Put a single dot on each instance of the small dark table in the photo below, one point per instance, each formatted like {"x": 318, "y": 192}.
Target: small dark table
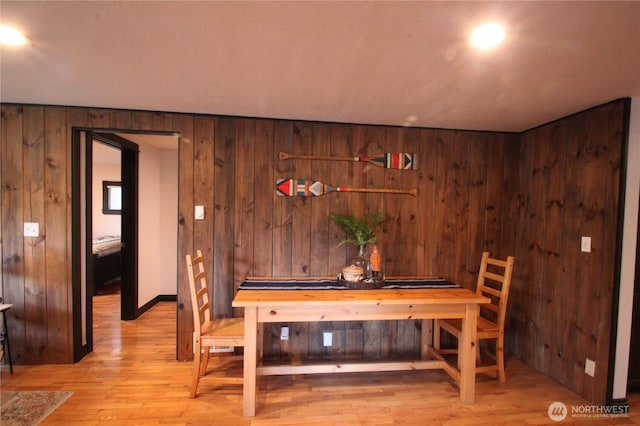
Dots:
{"x": 4, "y": 336}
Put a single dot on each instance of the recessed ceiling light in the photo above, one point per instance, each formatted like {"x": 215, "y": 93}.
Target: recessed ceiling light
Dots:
{"x": 11, "y": 36}
{"x": 487, "y": 36}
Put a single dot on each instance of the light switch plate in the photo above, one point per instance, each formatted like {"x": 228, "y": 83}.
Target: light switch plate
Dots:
{"x": 590, "y": 367}
{"x": 199, "y": 213}
{"x": 585, "y": 245}
{"x": 31, "y": 229}
{"x": 284, "y": 333}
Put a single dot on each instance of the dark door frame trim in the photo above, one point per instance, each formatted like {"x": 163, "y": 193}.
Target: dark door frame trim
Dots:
{"x": 129, "y": 216}
{"x": 80, "y": 349}
{"x": 617, "y": 272}
{"x": 129, "y": 178}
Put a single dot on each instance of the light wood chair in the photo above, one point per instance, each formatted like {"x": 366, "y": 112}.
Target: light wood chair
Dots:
{"x": 209, "y": 332}
{"x": 494, "y": 280}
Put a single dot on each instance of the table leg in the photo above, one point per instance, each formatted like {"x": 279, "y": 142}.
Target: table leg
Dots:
{"x": 467, "y": 354}
{"x": 426, "y": 337}
{"x": 260, "y": 342}
{"x": 249, "y": 361}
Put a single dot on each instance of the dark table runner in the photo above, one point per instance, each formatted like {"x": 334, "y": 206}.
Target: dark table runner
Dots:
{"x": 294, "y": 284}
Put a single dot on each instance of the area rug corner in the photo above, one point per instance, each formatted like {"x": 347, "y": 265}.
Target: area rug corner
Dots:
{"x": 29, "y": 408}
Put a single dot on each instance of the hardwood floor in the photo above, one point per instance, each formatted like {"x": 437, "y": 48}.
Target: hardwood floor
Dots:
{"x": 132, "y": 378}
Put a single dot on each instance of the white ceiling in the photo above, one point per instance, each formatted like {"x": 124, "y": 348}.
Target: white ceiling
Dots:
{"x": 357, "y": 62}
{"x": 106, "y": 154}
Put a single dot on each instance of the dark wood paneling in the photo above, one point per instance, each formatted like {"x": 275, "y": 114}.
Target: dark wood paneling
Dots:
{"x": 319, "y": 263}
{"x": 204, "y": 195}
{"x": 267, "y": 211}
{"x": 427, "y": 202}
{"x": 556, "y": 301}
{"x": 573, "y": 202}
{"x": 35, "y": 284}
{"x": 532, "y": 194}
{"x": 245, "y": 205}
{"x": 58, "y": 235}
{"x": 184, "y": 125}
{"x": 13, "y": 266}
{"x": 481, "y": 195}
{"x": 143, "y": 120}
{"x": 266, "y": 205}
{"x": 281, "y": 223}
{"x": 507, "y": 233}
{"x": 120, "y": 119}
{"x": 562, "y": 298}
{"x": 223, "y": 229}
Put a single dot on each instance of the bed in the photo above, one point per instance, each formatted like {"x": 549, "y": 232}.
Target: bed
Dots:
{"x": 106, "y": 260}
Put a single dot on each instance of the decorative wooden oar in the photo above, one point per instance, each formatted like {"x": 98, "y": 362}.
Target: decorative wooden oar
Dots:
{"x": 311, "y": 188}
{"x": 389, "y": 160}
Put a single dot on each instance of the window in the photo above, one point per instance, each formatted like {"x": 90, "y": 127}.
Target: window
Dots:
{"x": 111, "y": 197}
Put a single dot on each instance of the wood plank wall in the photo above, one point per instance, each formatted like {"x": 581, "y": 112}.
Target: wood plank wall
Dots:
{"x": 470, "y": 199}
{"x": 561, "y": 299}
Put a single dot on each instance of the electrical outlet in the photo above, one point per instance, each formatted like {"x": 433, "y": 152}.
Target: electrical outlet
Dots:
{"x": 31, "y": 229}
{"x": 590, "y": 367}
{"x": 327, "y": 338}
{"x": 284, "y": 333}
{"x": 585, "y": 246}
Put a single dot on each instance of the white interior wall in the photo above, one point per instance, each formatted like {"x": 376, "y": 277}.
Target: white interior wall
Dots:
{"x": 157, "y": 223}
{"x": 149, "y": 206}
{"x": 169, "y": 221}
{"x": 628, "y": 261}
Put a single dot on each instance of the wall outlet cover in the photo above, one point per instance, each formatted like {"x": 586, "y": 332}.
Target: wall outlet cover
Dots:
{"x": 327, "y": 338}
{"x": 284, "y": 333}
{"x": 31, "y": 229}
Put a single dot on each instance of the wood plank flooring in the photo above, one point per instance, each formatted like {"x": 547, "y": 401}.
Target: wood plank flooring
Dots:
{"x": 132, "y": 378}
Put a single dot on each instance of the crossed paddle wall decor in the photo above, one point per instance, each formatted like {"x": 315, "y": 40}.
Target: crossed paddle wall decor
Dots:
{"x": 307, "y": 187}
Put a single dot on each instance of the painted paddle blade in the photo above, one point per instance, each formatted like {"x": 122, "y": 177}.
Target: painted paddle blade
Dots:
{"x": 299, "y": 188}
{"x": 393, "y": 160}
{"x": 312, "y": 188}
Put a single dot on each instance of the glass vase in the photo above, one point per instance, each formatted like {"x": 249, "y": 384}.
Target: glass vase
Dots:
{"x": 362, "y": 260}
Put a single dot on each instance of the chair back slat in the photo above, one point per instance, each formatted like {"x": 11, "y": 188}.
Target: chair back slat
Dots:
{"x": 491, "y": 307}
{"x": 491, "y": 291}
{"x": 493, "y": 276}
{"x": 498, "y": 273}
{"x": 199, "y": 292}
{"x": 202, "y": 291}
{"x": 496, "y": 262}
{"x": 203, "y": 311}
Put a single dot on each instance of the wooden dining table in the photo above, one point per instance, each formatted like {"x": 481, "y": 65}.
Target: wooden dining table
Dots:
{"x": 294, "y": 300}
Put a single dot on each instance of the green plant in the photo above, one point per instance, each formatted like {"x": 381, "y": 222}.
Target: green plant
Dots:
{"x": 360, "y": 230}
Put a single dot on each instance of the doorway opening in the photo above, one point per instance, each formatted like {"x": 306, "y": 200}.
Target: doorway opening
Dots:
{"x": 142, "y": 247}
